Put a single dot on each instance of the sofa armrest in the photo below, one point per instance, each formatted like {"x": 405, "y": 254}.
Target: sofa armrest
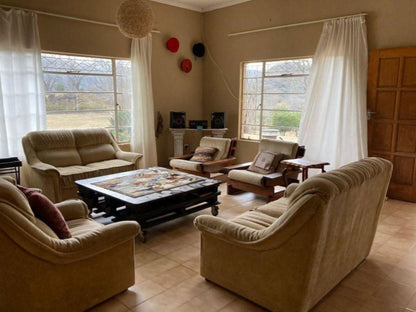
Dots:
{"x": 237, "y": 167}
{"x": 226, "y": 230}
{"x": 129, "y": 156}
{"x": 45, "y": 168}
{"x": 73, "y": 209}
{"x": 290, "y": 189}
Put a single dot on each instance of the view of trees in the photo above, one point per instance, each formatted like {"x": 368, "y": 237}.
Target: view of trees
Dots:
{"x": 80, "y": 93}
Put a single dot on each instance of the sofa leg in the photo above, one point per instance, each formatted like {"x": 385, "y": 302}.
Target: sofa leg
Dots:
{"x": 231, "y": 190}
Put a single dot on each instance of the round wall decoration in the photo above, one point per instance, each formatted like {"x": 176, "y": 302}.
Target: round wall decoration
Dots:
{"x": 186, "y": 65}
{"x": 172, "y": 44}
{"x": 198, "y": 49}
{"x": 135, "y": 18}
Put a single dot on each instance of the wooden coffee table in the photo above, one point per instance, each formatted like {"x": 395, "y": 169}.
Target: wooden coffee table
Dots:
{"x": 149, "y": 196}
{"x": 305, "y": 165}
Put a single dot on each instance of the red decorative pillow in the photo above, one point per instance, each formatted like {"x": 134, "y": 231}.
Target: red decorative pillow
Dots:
{"x": 45, "y": 210}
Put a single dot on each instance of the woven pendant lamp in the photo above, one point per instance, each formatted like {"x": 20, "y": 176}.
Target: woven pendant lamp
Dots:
{"x": 135, "y": 18}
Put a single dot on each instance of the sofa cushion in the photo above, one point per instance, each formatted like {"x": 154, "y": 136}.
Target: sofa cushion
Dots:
{"x": 78, "y": 227}
{"x": 275, "y": 208}
{"x": 11, "y": 195}
{"x": 255, "y": 220}
{"x": 56, "y": 148}
{"x": 204, "y": 153}
{"x": 46, "y": 211}
{"x": 45, "y": 228}
{"x": 94, "y": 145}
{"x": 186, "y": 165}
{"x": 222, "y": 144}
{"x": 246, "y": 176}
{"x": 112, "y": 166}
{"x": 265, "y": 162}
{"x": 72, "y": 173}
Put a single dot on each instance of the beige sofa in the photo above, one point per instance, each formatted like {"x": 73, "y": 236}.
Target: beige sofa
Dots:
{"x": 57, "y": 158}
{"x": 40, "y": 272}
{"x": 288, "y": 254}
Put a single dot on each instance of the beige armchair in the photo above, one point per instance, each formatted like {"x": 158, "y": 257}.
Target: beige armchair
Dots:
{"x": 40, "y": 272}
{"x": 222, "y": 158}
{"x": 57, "y": 158}
{"x": 241, "y": 178}
{"x": 289, "y": 253}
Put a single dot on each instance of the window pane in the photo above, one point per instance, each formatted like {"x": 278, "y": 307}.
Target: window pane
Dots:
{"x": 123, "y": 67}
{"x": 252, "y": 86}
{"x": 253, "y": 70}
{"x": 286, "y": 134}
{"x": 288, "y": 67}
{"x": 123, "y": 84}
{"x": 124, "y": 134}
{"x": 285, "y": 85}
{"x": 80, "y": 119}
{"x": 76, "y": 64}
{"x": 251, "y": 101}
{"x": 250, "y": 132}
{"x": 250, "y": 117}
{"x": 70, "y": 82}
{"x": 283, "y": 101}
{"x": 124, "y": 101}
{"x": 281, "y": 120}
{"x": 79, "y": 101}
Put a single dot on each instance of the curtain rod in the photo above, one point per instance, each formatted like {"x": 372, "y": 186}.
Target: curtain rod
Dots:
{"x": 66, "y": 17}
{"x": 291, "y": 25}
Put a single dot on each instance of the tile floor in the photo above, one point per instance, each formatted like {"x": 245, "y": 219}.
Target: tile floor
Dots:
{"x": 167, "y": 268}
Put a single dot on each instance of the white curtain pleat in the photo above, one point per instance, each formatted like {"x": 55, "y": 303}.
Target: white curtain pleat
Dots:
{"x": 333, "y": 125}
{"x": 143, "y": 138}
{"x": 22, "y": 96}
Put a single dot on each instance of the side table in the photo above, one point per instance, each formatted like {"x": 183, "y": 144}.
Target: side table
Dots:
{"x": 304, "y": 164}
{"x": 11, "y": 165}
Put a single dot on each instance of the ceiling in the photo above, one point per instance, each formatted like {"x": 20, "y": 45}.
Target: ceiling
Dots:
{"x": 201, "y": 5}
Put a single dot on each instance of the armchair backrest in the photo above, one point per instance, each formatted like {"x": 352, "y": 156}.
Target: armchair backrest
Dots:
{"x": 289, "y": 149}
{"x": 222, "y": 144}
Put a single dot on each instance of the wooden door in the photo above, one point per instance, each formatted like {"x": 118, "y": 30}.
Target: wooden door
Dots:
{"x": 392, "y": 106}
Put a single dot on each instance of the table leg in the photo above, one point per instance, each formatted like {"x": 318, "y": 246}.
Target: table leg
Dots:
{"x": 304, "y": 174}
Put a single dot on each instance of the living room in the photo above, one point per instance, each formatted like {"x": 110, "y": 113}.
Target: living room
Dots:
{"x": 79, "y": 38}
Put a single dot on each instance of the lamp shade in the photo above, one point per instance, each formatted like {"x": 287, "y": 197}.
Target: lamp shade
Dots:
{"x": 135, "y": 18}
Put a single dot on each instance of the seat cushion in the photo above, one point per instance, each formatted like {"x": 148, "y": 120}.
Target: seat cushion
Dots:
{"x": 111, "y": 166}
{"x": 246, "y": 177}
{"x": 275, "y": 208}
{"x": 78, "y": 227}
{"x": 186, "y": 165}
{"x": 72, "y": 173}
{"x": 255, "y": 220}
{"x": 222, "y": 144}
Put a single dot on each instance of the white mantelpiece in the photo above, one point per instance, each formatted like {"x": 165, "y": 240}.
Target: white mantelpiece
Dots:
{"x": 179, "y": 133}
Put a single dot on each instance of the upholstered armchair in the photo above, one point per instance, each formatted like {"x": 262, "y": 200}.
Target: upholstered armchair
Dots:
{"x": 288, "y": 254}
{"x": 222, "y": 155}
{"x": 40, "y": 272}
{"x": 262, "y": 176}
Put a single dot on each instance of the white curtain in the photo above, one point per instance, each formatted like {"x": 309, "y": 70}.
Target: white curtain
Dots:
{"x": 334, "y": 126}
{"x": 22, "y": 96}
{"x": 143, "y": 122}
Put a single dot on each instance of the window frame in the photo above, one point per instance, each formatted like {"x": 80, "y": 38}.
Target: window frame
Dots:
{"x": 241, "y": 93}
{"x": 115, "y": 92}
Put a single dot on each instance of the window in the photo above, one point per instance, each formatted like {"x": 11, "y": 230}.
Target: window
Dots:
{"x": 273, "y": 94}
{"x": 83, "y": 92}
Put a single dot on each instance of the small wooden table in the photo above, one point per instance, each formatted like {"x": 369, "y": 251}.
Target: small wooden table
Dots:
{"x": 11, "y": 165}
{"x": 304, "y": 164}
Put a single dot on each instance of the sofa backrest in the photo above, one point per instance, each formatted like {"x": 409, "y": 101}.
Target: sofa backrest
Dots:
{"x": 54, "y": 147}
{"x": 94, "y": 145}
{"x": 343, "y": 207}
{"x": 10, "y": 195}
{"x": 289, "y": 149}
{"x": 222, "y": 144}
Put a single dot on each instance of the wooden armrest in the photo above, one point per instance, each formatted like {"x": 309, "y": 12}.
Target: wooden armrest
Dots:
{"x": 238, "y": 166}
{"x": 185, "y": 157}
{"x": 272, "y": 176}
{"x": 216, "y": 165}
